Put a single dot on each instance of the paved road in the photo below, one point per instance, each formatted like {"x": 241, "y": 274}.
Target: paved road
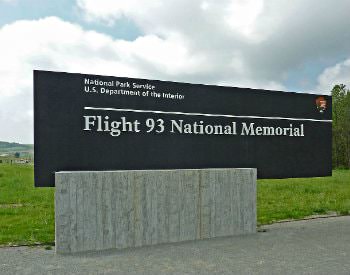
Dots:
{"x": 320, "y": 246}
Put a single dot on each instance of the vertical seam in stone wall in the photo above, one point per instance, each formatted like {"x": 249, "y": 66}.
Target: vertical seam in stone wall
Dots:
{"x": 83, "y": 233}
{"x": 200, "y": 204}
{"x": 76, "y": 216}
{"x": 69, "y": 215}
{"x": 167, "y": 207}
{"x": 55, "y": 198}
{"x": 94, "y": 187}
{"x": 179, "y": 203}
{"x": 133, "y": 186}
{"x": 103, "y": 210}
{"x": 114, "y": 215}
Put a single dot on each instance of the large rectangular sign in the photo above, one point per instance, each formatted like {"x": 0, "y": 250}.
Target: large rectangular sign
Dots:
{"x": 90, "y": 122}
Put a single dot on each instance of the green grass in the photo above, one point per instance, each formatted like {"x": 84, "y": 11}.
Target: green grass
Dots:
{"x": 27, "y": 213}
{"x": 280, "y": 199}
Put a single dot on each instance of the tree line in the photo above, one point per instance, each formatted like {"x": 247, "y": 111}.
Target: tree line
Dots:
{"x": 341, "y": 126}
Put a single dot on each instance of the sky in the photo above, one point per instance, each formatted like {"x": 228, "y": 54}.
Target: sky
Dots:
{"x": 292, "y": 46}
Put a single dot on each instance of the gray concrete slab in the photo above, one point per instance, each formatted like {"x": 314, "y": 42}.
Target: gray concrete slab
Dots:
{"x": 98, "y": 210}
{"x": 320, "y": 246}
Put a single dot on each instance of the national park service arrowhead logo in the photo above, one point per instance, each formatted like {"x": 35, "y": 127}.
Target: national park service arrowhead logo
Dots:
{"x": 321, "y": 104}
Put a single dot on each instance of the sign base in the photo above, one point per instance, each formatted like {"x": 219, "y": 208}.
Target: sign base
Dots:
{"x": 101, "y": 210}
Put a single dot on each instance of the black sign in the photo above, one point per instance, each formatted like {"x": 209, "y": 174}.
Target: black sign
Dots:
{"x": 89, "y": 122}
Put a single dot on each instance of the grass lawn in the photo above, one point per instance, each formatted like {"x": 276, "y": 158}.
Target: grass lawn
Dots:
{"x": 27, "y": 213}
{"x": 280, "y": 199}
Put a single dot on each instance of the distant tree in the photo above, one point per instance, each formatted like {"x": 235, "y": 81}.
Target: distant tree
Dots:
{"x": 17, "y": 155}
{"x": 341, "y": 126}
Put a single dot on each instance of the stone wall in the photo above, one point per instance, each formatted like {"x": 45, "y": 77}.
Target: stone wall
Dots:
{"x": 119, "y": 209}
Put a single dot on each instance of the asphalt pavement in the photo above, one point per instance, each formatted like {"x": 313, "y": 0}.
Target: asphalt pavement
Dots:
{"x": 318, "y": 246}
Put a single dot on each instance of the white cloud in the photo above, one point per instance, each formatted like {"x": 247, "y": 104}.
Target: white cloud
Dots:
{"x": 110, "y": 10}
{"x": 252, "y": 43}
{"x": 337, "y": 74}
{"x": 242, "y": 15}
{"x": 52, "y": 44}
{"x": 271, "y": 37}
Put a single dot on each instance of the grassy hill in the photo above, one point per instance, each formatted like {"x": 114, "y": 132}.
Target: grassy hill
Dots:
{"x": 25, "y": 150}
